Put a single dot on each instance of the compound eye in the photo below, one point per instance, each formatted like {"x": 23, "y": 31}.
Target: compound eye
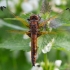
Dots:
{"x": 34, "y": 18}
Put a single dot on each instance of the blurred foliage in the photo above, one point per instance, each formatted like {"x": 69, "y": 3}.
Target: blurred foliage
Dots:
{"x": 11, "y": 61}
{"x": 12, "y": 42}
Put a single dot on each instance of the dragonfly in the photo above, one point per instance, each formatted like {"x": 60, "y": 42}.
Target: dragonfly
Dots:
{"x": 38, "y": 28}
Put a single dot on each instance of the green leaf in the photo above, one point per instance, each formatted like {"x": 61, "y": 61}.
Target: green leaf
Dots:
{"x": 14, "y": 41}
{"x": 44, "y": 40}
{"x": 62, "y": 41}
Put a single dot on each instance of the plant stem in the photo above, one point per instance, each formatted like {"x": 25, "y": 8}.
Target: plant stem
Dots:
{"x": 45, "y": 61}
{"x": 14, "y": 64}
{"x": 7, "y": 3}
{"x": 68, "y": 57}
{"x": 51, "y": 66}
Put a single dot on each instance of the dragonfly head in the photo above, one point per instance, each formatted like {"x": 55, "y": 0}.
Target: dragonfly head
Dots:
{"x": 34, "y": 18}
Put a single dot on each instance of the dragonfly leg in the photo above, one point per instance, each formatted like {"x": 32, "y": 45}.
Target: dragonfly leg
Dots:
{"x": 39, "y": 34}
{"x": 28, "y": 33}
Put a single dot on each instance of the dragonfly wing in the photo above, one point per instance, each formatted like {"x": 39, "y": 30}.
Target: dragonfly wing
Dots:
{"x": 58, "y": 21}
{"x": 61, "y": 41}
{"x": 46, "y": 21}
{"x": 62, "y": 22}
{"x": 11, "y": 16}
{"x": 55, "y": 23}
{"x": 19, "y": 19}
{"x": 17, "y": 31}
{"x": 13, "y": 26}
{"x": 14, "y": 40}
{"x": 45, "y": 7}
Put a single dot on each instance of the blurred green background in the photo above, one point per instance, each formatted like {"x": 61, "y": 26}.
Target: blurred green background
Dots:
{"x": 13, "y": 48}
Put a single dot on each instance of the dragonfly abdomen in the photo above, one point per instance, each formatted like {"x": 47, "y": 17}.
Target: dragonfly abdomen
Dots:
{"x": 34, "y": 32}
{"x": 33, "y": 48}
